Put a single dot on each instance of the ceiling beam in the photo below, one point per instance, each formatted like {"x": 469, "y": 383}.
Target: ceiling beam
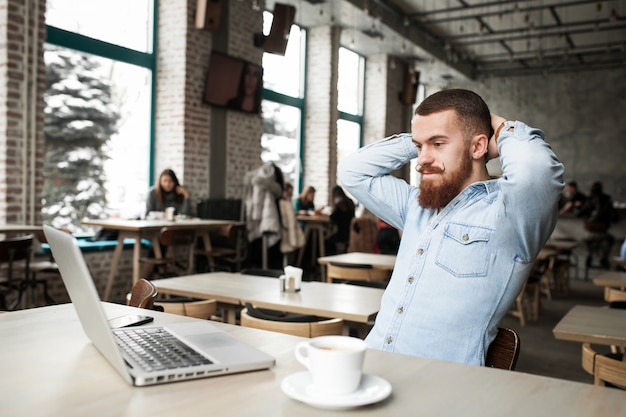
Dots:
{"x": 433, "y": 45}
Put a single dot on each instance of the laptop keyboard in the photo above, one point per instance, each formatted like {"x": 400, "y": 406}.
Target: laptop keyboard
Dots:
{"x": 155, "y": 349}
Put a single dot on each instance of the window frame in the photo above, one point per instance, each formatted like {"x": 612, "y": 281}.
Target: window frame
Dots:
{"x": 147, "y": 60}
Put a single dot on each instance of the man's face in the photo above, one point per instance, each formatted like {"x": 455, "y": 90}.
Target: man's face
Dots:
{"x": 444, "y": 158}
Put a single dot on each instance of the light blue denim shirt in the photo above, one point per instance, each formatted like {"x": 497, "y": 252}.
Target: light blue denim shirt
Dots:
{"x": 457, "y": 271}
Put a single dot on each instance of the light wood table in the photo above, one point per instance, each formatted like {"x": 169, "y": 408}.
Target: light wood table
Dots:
{"x": 375, "y": 260}
{"x": 315, "y": 226}
{"x": 20, "y": 228}
{"x": 587, "y": 324}
{"x": 226, "y": 288}
{"x": 149, "y": 229}
{"x": 51, "y": 369}
{"x": 611, "y": 279}
{"x": 352, "y": 303}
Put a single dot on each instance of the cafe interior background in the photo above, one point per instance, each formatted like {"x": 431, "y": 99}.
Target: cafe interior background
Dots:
{"x": 98, "y": 97}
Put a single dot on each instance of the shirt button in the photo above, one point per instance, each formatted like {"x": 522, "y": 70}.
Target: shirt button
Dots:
{"x": 389, "y": 340}
{"x": 400, "y": 310}
{"x": 465, "y": 238}
{"x": 411, "y": 279}
{"x": 420, "y": 251}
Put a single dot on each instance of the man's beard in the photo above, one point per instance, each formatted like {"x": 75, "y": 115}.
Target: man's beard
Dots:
{"x": 437, "y": 193}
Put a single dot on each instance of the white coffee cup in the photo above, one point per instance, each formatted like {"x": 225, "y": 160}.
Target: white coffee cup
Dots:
{"x": 169, "y": 214}
{"x": 335, "y": 363}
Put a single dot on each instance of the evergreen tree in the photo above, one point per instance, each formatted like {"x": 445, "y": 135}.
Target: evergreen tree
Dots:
{"x": 79, "y": 119}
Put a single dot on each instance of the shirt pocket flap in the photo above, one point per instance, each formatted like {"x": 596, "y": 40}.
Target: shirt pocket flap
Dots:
{"x": 465, "y": 234}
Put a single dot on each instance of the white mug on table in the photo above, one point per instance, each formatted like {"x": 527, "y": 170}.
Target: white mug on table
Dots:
{"x": 335, "y": 363}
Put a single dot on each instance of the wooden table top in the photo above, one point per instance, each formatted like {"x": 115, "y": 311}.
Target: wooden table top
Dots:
{"x": 146, "y": 225}
{"x": 225, "y": 287}
{"x": 349, "y": 302}
{"x": 600, "y": 325}
{"x": 612, "y": 279}
{"x": 67, "y": 376}
{"x": 20, "y": 228}
{"x": 376, "y": 260}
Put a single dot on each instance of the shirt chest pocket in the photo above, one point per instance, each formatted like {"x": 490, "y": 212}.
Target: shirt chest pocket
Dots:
{"x": 464, "y": 251}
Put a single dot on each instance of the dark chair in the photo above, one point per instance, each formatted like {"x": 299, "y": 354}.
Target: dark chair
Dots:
{"x": 37, "y": 266}
{"x": 272, "y": 273}
{"x": 228, "y": 248}
{"x": 172, "y": 241}
{"x": 142, "y": 294}
{"x": 13, "y": 250}
{"x": 504, "y": 350}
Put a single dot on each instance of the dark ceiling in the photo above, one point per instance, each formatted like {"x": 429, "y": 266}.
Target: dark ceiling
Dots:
{"x": 479, "y": 38}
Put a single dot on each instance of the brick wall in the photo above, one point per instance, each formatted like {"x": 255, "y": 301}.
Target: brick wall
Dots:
{"x": 320, "y": 146}
{"x": 22, "y": 81}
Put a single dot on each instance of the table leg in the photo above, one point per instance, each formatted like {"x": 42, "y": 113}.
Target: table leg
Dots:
{"x": 307, "y": 232}
{"x": 117, "y": 254}
{"x": 230, "y": 313}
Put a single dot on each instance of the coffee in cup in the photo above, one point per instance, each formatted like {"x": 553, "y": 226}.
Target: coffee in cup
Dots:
{"x": 335, "y": 363}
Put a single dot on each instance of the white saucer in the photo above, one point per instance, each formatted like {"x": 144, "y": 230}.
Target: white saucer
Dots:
{"x": 372, "y": 389}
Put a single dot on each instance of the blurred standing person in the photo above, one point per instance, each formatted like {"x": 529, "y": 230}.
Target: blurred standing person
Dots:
{"x": 168, "y": 192}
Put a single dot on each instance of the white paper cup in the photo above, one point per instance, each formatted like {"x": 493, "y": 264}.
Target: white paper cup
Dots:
{"x": 335, "y": 363}
{"x": 294, "y": 278}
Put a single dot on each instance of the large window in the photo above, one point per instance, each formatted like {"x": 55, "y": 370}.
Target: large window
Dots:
{"x": 283, "y": 104}
{"x": 109, "y": 55}
{"x": 350, "y": 102}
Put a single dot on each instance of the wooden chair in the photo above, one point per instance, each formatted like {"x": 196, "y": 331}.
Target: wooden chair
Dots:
{"x": 527, "y": 302}
{"x": 356, "y": 273}
{"x": 13, "y": 250}
{"x": 612, "y": 295}
{"x": 201, "y": 309}
{"x": 229, "y": 246}
{"x": 172, "y": 240}
{"x": 606, "y": 370}
{"x": 504, "y": 350}
{"x": 142, "y": 294}
{"x": 304, "y": 329}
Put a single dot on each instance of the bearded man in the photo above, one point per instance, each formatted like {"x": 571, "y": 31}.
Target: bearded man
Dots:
{"x": 468, "y": 241}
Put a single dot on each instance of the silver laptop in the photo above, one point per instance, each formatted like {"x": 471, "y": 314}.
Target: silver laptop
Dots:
{"x": 219, "y": 352}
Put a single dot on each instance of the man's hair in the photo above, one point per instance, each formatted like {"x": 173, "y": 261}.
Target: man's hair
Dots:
{"x": 471, "y": 109}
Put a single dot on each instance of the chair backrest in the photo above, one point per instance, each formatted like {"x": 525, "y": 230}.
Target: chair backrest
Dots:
{"x": 201, "y": 309}
{"x": 612, "y": 295}
{"x": 15, "y": 248}
{"x": 605, "y": 370}
{"x": 355, "y": 273}
{"x": 272, "y": 273}
{"x": 177, "y": 237}
{"x": 303, "y": 329}
{"x": 504, "y": 350}
{"x": 142, "y": 294}
{"x": 363, "y": 234}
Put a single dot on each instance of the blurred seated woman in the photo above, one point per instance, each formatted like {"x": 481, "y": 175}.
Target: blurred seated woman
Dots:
{"x": 168, "y": 193}
{"x": 305, "y": 202}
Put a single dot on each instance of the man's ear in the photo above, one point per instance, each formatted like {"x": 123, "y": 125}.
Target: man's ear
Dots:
{"x": 479, "y": 146}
